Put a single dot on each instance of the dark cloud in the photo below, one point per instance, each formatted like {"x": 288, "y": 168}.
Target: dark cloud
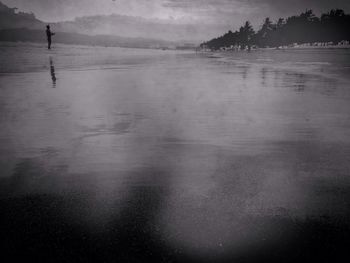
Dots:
{"x": 270, "y": 7}
{"x": 215, "y": 10}
{"x": 287, "y": 6}
{"x": 223, "y": 14}
{"x": 281, "y": 5}
{"x": 58, "y": 10}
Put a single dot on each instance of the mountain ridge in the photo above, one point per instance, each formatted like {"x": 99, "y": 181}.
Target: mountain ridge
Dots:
{"x": 96, "y": 28}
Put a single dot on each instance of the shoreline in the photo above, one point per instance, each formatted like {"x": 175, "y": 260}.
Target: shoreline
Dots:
{"x": 278, "y": 48}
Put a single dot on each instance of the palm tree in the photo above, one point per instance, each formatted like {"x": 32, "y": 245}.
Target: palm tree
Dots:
{"x": 246, "y": 33}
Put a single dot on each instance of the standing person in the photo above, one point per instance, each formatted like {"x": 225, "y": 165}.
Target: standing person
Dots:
{"x": 49, "y": 34}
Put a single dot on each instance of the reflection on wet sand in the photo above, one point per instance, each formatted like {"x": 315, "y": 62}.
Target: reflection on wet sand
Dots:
{"x": 263, "y": 76}
{"x": 52, "y": 72}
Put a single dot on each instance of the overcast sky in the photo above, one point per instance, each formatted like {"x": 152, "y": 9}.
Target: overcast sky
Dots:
{"x": 224, "y": 12}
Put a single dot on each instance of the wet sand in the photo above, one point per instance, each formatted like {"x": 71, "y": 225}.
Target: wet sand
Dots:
{"x": 111, "y": 154}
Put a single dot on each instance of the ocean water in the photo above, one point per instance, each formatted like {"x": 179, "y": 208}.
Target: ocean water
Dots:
{"x": 128, "y": 154}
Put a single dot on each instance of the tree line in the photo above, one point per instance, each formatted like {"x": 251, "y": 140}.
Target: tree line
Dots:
{"x": 333, "y": 26}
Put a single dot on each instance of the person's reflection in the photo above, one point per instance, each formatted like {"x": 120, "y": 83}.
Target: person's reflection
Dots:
{"x": 263, "y": 76}
{"x": 245, "y": 72}
{"x": 52, "y": 72}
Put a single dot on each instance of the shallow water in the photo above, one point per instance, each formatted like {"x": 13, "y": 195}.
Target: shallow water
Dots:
{"x": 174, "y": 156}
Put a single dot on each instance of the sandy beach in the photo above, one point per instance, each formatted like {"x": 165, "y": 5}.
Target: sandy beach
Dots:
{"x": 136, "y": 155}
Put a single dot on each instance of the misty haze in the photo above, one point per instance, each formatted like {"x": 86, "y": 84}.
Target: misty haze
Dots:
{"x": 174, "y": 131}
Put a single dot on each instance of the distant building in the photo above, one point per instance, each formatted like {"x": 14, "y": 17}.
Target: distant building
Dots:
{"x": 344, "y": 43}
{"x": 7, "y": 10}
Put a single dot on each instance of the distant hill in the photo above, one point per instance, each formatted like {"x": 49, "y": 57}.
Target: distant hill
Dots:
{"x": 10, "y": 18}
{"x": 19, "y": 26}
{"x": 131, "y": 26}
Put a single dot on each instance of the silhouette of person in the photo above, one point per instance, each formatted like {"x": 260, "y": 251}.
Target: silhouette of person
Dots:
{"x": 49, "y": 34}
{"x": 52, "y": 72}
